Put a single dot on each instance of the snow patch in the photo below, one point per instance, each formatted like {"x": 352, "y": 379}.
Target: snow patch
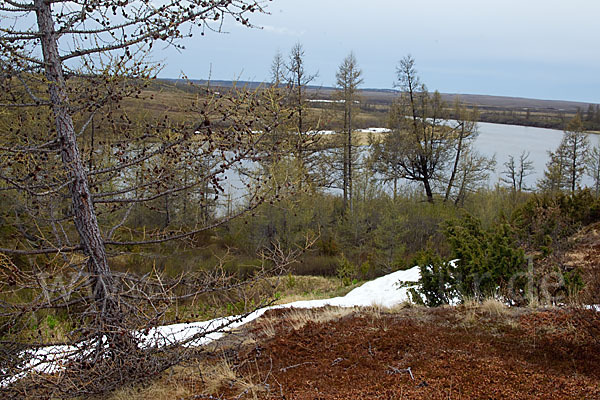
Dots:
{"x": 376, "y": 130}
{"x": 321, "y": 132}
{"x": 386, "y": 291}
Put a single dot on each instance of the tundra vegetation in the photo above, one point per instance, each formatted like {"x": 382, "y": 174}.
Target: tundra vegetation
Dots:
{"x": 117, "y": 213}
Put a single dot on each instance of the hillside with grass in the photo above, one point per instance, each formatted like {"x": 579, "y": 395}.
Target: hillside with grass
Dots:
{"x": 233, "y": 240}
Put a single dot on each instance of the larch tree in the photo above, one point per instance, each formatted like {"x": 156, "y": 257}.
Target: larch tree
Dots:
{"x": 72, "y": 39}
{"x": 418, "y": 120}
{"x": 348, "y": 79}
{"x": 555, "y": 175}
{"x": 278, "y": 69}
{"x": 76, "y": 167}
{"x": 516, "y": 171}
{"x": 298, "y": 79}
{"x": 593, "y": 168}
{"x": 465, "y": 133}
{"x": 567, "y": 163}
{"x": 577, "y": 146}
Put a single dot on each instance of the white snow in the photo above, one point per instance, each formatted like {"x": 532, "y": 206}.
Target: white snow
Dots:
{"x": 368, "y": 130}
{"x": 384, "y": 292}
{"x": 321, "y": 132}
{"x": 376, "y": 130}
{"x": 324, "y": 101}
{"x": 387, "y": 291}
{"x": 330, "y": 101}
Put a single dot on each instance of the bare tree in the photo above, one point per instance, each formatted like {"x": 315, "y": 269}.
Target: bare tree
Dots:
{"x": 298, "y": 79}
{"x": 474, "y": 170}
{"x": 424, "y": 142}
{"x": 94, "y": 33}
{"x": 516, "y": 172}
{"x": 385, "y": 160}
{"x": 424, "y": 146}
{"x": 278, "y": 69}
{"x": 593, "y": 167}
{"x": 348, "y": 79}
{"x": 466, "y": 133}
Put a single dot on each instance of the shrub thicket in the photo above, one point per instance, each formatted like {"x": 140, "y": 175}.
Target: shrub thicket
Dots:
{"x": 492, "y": 261}
{"x": 484, "y": 263}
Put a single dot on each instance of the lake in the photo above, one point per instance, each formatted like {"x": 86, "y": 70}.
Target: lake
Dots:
{"x": 496, "y": 140}
{"x": 505, "y": 140}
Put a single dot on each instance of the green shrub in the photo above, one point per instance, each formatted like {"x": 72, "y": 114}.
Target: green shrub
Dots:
{"x": 328, "y": 246}
{"x": 545, "y": 222}
{"x": 436, "y": 286}
{"x": 486, "y": 262}
{"x": 346, "y": 271}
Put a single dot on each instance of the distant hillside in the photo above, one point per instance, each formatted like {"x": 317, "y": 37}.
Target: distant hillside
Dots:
{"x": 384, "y": 96}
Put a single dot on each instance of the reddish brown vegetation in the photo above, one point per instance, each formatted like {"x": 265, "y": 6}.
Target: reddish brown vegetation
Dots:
{"x": 453, "y": 354}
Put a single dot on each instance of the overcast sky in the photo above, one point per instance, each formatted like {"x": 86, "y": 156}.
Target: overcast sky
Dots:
{"x": 547, "y": 49}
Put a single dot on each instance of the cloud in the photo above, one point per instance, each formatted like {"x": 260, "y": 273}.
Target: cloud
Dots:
{"x": 282, "y": 31}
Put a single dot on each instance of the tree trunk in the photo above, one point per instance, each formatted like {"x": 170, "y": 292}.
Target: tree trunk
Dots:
{"x": 461, "y": 192}
{"x": 574, "y": 167}
{"x": 345, "y": 163}
{"x": 597, "y": 178}
{"x": 350, "y": 151}
{"x": 456, "y": 161}
{"x": 428, "y": 190}
{"x": 519, "y": 187}
{"x": 299, "y": 83}
{"x": 167, "y": 212}
{"x": 84, "y": 214}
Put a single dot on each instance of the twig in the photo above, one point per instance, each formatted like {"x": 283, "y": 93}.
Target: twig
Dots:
{"x": 295, "y": 366}
{"x": 394, "y": 370}
{"x": 337, "y": 361}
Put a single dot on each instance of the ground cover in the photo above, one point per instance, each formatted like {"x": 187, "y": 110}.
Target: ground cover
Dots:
{"x": 407, "y": 352}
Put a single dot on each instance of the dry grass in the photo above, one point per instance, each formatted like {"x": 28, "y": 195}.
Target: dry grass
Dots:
{"x": 469, "y": 318}
{"x": 474, "y": 312}
{"x": 267, "y": 325}
{"x": 208, "y": 377}
{"x": 404, "y": 306}
{"x": 177, "y": 383}
{"x": 299, "y": 318}
{"x": 493, "y": 307}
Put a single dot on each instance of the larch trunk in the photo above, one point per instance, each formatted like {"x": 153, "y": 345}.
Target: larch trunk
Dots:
{"x": 84, "y": 214}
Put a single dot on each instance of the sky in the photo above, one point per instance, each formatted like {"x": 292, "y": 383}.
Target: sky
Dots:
{"x": 545, "y": 49}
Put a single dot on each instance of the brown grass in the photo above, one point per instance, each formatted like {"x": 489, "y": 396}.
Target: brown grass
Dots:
{"x": 206, "y": 377}
{"x": 494, "y": 307}
{"x": 299, "y": 318}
